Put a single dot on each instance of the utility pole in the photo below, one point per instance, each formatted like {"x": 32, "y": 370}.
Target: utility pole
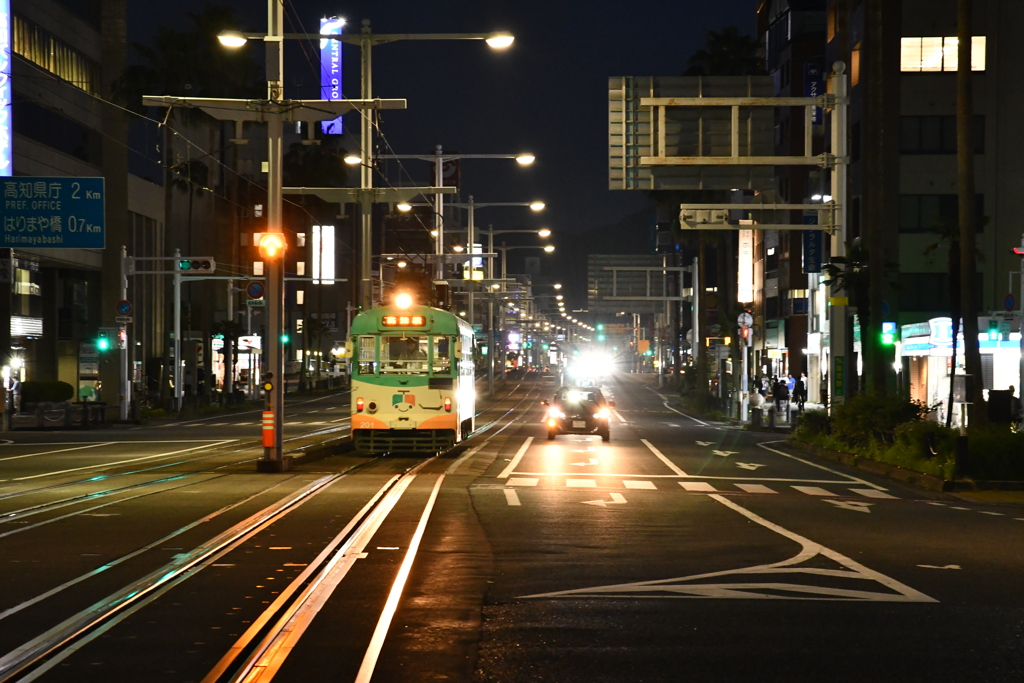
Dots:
{"x": 275, "y": 111}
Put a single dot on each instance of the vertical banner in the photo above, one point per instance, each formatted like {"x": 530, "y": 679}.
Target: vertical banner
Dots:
{"x": 813, "y": 87}
{"x": 6, "y": 152}
{"x": 745, "y": 267}
{"x": 330, "y": 69}
{"x": 813, "y": 244}
{"x": 323, "y": 255}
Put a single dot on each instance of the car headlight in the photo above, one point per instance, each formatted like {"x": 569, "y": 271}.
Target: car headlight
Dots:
{"x": 555, "y": 412}
{"x": 603, "y": 414}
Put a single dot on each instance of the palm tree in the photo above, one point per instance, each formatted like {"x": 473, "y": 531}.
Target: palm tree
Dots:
{"x": 727, "y": 54}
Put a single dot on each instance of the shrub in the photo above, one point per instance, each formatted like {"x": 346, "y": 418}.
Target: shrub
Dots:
{"x": 864, "y": 418}
{"x": 46, "y": 392}
{"x": 994, "y": 452}
{"x": 811, "y": 424}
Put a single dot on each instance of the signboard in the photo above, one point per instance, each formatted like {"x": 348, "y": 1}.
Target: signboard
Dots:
{"x": 323, "y": 254}
{"x": 123, "y": 319}
{"x": 839, "y": 375}
{"x": 330, "y": 69}
{"x": 814, "y": 242}
{"x": 53, "y": 213}
{"x": 814, "y": 87}
{"x": 256, "y": 302}
{"x": 745, "y": 267}
{"x": 123, "y": 307}
{"x": 254, "y": 290}
{"x": 1009, "y": 302}
{"x": 6, "y": 151}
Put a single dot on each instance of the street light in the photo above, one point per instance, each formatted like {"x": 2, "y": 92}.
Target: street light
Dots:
{"x": 544, "y": 232}
{"x": 499, "y": 40}
{"x": 232, "y": 39}
{"x": 537, "y": 206}
{"x": 525, "y": 159}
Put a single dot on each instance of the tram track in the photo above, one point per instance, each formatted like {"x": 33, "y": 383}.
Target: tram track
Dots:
{"x": 43, "y": 652}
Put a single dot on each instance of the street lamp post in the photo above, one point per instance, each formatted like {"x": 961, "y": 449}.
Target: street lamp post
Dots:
{"x": 275, "y": 111}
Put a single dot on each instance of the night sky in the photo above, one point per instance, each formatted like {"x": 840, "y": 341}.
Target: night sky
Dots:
{"x": 546, "y": 94}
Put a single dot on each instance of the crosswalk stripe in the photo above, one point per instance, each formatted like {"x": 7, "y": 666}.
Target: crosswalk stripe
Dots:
{"x": 522, "y": 481}
{"x": 644, "y": 485}
{"x": 697, "y": 486}
{"x": 872, "y": 493}
{"x": 755, "y": 488}
{"x": 581, "y": 483}
{"x": 813, "y": 491}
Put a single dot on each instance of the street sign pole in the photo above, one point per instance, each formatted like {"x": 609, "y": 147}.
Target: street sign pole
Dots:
{"x": 176, "y": 344}
{"x": 126, "y": 385}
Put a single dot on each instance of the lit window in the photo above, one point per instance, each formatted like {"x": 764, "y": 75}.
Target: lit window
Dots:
{"x": 300, "y": 268}
{"x": 257, "y": 267}
{"x": 938, "y": 53}
{"x": 300, "y": 297}
{"x": 855, "y": 65}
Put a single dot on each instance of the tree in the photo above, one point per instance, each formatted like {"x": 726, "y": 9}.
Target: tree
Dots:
{"x": 976, "y": 412}
{"x": 727, "y": 54}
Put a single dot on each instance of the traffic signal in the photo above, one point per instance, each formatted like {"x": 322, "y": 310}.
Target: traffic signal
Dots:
{"x": 198, "y": 265}
{"x": 993, "y": 329}
{"x": 272, "y": 245}
{"x": 601, "y": 337}
{"x": 888, "y": 334}
{"x": 600, "y": 327}
{"x": 103, "y": 342}
{"x": 268, "y": 383}
{"x": 285, "y": 338}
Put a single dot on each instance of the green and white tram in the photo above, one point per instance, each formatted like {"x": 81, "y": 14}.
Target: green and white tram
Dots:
{"x": 412, "y": 379}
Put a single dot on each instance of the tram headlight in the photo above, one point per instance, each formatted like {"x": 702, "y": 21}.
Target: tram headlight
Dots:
{"x": 448, "y": 405}
{"x": 403, "y": 300}
{"x": 359, "y": 405}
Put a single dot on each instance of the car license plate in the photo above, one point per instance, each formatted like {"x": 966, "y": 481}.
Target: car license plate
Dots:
{"x": 579, "y": 424}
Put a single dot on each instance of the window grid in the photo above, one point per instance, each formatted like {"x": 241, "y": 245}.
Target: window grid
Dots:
{"x": 39, "y": 47}
{"x": 932, "y": 54}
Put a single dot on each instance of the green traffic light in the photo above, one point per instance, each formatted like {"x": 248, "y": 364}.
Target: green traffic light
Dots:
{"x": 102, "y": 344}
{"x": 600, "y": 337}
{"x": 184, "y": 265}
{"x": 285, "y": 338}
{"x": 600, "y": 326}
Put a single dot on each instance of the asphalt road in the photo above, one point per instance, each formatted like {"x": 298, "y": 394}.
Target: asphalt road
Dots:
{"x": 680, "y": 551}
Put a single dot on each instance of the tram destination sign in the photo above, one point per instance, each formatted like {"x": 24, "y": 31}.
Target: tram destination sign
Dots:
{"x": 53, "y": 213}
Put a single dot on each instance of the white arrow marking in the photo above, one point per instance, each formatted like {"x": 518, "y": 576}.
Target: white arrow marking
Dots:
{"x": 593, "y": 461}
{"x": 748, "y": 465}
{"x": 725, "y": 454}
{"x": 703, "y": 443}
{"x": 617, "y": 499}
{"x": 933, "y": 566}
{"x": 854, "y": 505}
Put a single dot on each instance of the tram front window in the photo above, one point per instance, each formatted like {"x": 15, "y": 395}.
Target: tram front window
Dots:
{"x": 404, "y": 355}
{"x": 442, "y": 356}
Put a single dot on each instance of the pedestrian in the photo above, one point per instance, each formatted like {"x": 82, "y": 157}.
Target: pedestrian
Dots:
{"x": 1016, "y": 411}
{"x": 780, "y": 394}
{"x": 800, "y": 393}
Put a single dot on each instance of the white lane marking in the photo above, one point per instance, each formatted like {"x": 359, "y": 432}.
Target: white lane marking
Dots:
{"x": 855, "y": 480}
{"x": 213, "y": 444}
{"x": 515, "y": 460}
{"x": 872, "y": 493}
{"x": 725, "y": 454}
{"x": 661, "y": 456}
{"x": 697, "y": 486}
{"x": 704, "y": 443}
{"x": 855, "y": 505}
{"x": 391, "y": 606}
{"x": 60, "y": 450}
{"x": 593, "y": 461}
{"x": 465, "y": 456}
{"x": 752, "y": 466}
{"x": 619, "y": 417}
{"x": 511, "y": 497}
{"x": 754, "y": 488}
{"x": 689, "y": 417}
{"x": 773, "y": 585}
{"x": 643, "y": 485}
{"x": 616, "y": 499}
{"x": 671, "y": 424}
{"x": 581, "y": 483}
{"x": 996, "y": 514}
{"x": 935, "y": 566}
{"x": 959, "y": 508}
{"x": 522, "y": 481}
{"x": 813, "y": 491}
{"x": 625, "y": 475}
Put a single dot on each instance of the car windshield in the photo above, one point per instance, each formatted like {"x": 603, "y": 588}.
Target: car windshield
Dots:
{"x": 577, "y": 396}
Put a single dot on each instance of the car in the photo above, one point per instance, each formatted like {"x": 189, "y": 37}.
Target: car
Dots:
{"x": 578, "y": 410}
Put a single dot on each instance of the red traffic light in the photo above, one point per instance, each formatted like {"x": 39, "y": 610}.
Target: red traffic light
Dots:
{"x": 1019, "y": 251}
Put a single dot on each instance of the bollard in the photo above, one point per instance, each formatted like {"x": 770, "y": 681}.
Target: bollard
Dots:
{"x": 268, "y": 428}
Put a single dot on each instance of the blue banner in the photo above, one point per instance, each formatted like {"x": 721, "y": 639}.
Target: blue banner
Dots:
{"x": 53, "y": 213}
{"x": 813, "y": 245}
{"x": 6, "y": 152}
{"x": 330, "y": 70}
{"x": 813, "y": 87}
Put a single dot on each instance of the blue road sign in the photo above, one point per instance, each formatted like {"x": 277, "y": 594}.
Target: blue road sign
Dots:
{"x": 255, "y": 290}
{"x": 53, "y": 213}
{"x": 124, "y": 307}
{"x": 1009, "y": 302}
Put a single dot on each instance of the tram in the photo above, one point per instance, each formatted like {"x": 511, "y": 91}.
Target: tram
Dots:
{"x": 412, "y": 379}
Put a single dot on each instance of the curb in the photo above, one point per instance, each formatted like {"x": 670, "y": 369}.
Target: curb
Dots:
{"x": 925, "y": 481}
{"x": 310, "y": 454}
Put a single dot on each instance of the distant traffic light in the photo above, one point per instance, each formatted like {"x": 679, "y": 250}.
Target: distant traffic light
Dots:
{"x": 285, "y": 338}
{"x": 993, "y": 329}
{"x": 272, "y": 245}
{"x": 601, "y": 337}
{"x": 102, "y": 342}
{"x": 200, "y": 265}
{"x": 600, "y": 327}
